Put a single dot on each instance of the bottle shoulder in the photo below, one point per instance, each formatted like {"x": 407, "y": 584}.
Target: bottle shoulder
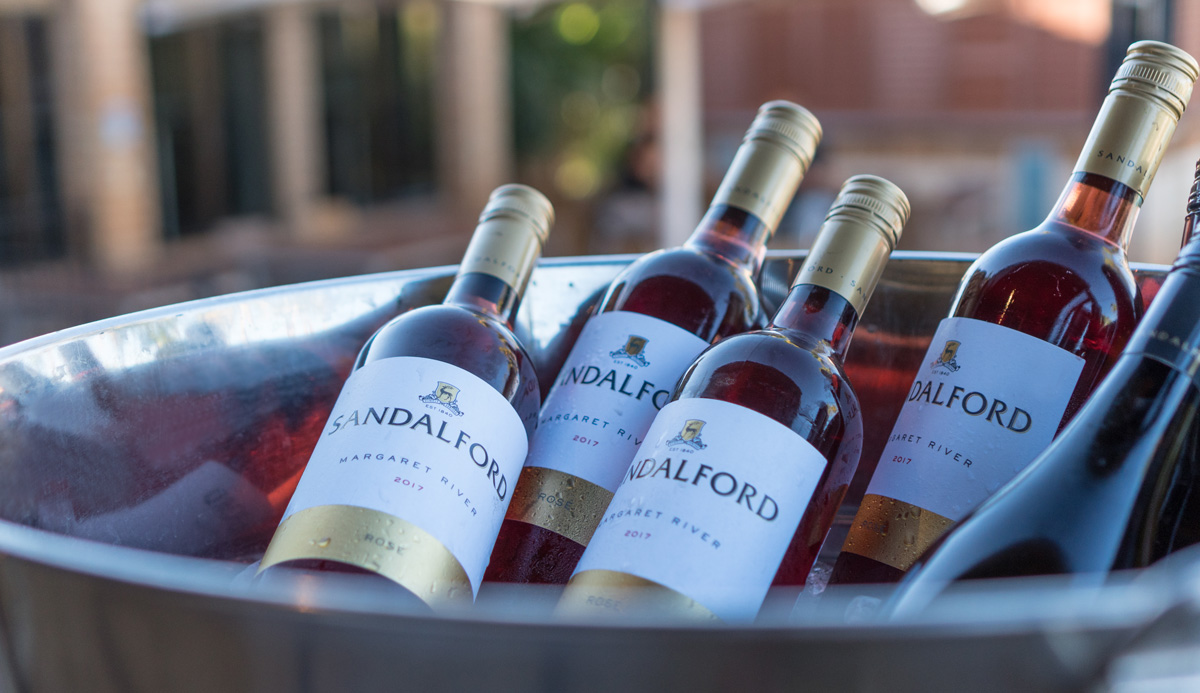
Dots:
{"x": 795, "y": 380}
{"x": 1058, "y": 283}
{"x": 691, "y": 288}
{"x": 704, "y": 269}
{"x": 435, "y": 324}
{"x": 793, "y": 353}
{"x": 474, "y": 341}
{"x": 1057, "y": 250}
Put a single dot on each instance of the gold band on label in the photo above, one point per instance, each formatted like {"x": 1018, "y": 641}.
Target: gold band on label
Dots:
{"x": 847, "y": 258}
{"x": 606, "y": 594}
{"x": 559, "y": 502}
{"x": 761, "y": 180}
{"x": 1128, "y": 141}
{"x": 504, "y": 247}
{"x": 893, "y": 532}
{"x": 398, "y": 550}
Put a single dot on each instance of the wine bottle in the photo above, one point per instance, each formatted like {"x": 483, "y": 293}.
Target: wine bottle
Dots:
{"x": 416, "y": 464}
{"x": 1036, "y": 323}
{"x": 1107, "y": 492}
{"x": 742, "y": 472}
{"x": 1184, "y": 528}
{"x": 655, "y": 318}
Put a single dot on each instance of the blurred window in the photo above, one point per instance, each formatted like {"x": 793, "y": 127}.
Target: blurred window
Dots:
{"x": 209, "y": 108}
{"x": 584, "y": 120}
{"x": 31, "y": 226}
{"x": 377, "y": 67}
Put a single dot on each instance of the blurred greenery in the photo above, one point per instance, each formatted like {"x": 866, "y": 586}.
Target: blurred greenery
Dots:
{"x": 582, "y": 74}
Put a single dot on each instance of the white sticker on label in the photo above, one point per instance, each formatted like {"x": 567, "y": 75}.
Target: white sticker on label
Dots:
{"x": 986, "y": 400}
{"x": 620, "y": 372}
{"x": 424, "y": 441}
{"x": 709, "y": 506}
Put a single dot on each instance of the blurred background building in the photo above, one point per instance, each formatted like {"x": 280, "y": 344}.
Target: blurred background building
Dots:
{"x": 153, "y": 151}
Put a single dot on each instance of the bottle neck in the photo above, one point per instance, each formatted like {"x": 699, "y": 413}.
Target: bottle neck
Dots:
{"x": 819, "y": 314}
{"x": 734, "y": 234}
{"x": 1098, "y": 205}
{"x": 485, "y": 293}
{"x": 1191, "y": 223}
{"x": 1169, "y": 330}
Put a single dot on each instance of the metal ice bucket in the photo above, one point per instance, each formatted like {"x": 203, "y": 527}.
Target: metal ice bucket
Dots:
{"x": 145, "y": 460}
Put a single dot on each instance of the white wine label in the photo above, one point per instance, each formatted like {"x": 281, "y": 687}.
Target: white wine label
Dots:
{"x": 709, "y": 505}
{"x": 620, "y": 372}
{"x": 986, "y": 400}
{"x": 425, "y": 442}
